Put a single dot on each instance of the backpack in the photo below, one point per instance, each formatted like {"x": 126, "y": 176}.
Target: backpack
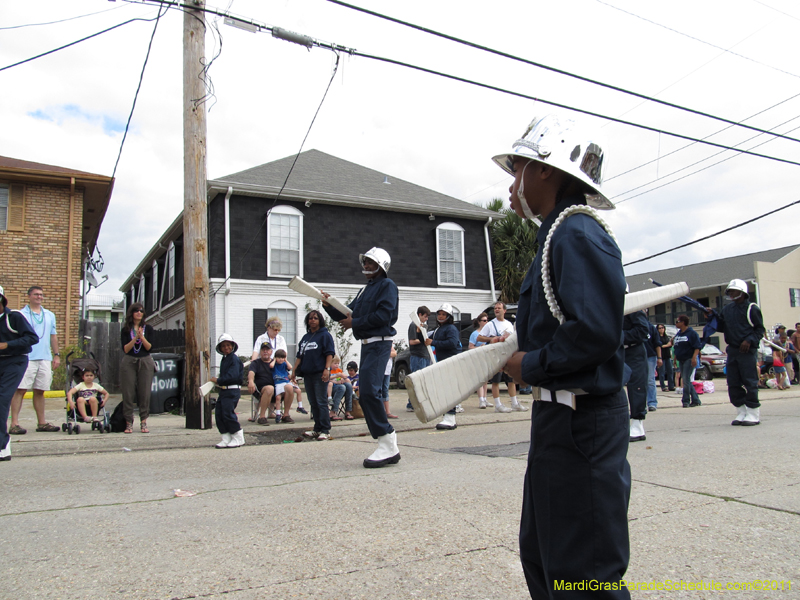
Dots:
{"x": 117, "y": 419}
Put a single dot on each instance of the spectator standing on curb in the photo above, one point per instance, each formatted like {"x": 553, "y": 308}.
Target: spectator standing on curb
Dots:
{"x": 17, "y": 337}
{"x": 634, "y": 332}
{"x": 653, "y": 348}
{"x": 137, "y": 368}
{"x": 795, "y": 337}
{"x": 687, "y": 346}
{"x": 447, "y": 344}
{"x": 497, "y": 330}
{"x": 743, "y": 326}
{"x": 41, "y": 361}
{"x": 313, "y": 363}
{"x": 419, "y": 358}
{"x": 479, "y": 323}
{"x": 665, "y": 370}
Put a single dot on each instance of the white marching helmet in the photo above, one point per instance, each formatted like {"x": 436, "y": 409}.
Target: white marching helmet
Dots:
{"x": 563, "y": 144}
{"x": 446, "y": 307}
{"x": 3, "y": 297}
{"x": 737, "y": 284}
{"x": 379, "y": 255}
{"x": 227, "y": 337}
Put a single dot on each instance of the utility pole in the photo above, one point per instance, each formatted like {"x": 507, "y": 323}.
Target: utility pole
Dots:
{"x": 195, "y": 223}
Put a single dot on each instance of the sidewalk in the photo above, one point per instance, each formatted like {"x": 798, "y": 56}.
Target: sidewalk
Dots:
{"x": 169, "y": 431}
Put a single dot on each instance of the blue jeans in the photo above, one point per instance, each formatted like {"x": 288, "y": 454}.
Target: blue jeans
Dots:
{"x": 665, "y": 373}
{"x": 652, "y": 363}
{"x": 689, "y": 395}
{"x": 343, "y": 390}
{"x": 416, "y": 363}
{"x": 317, "y": 394}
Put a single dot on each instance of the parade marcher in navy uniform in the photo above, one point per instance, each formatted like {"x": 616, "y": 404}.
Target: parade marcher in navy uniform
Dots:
{"x": 17, "y": 337}
{"x": 229, "y": 382}
{"x": 574, "y": 524}
{"x": 372, "y": 321}
{"x": 743, "y": 326}
{"x": 635, "y": 330}
{"x": 447, "y": 344}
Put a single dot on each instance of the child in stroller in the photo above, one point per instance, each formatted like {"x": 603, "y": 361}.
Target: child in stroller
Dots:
{"x": 87, "y": 392}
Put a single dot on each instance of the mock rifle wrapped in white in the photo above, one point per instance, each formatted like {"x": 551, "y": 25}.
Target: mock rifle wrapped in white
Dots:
{"x": 436, "y": 389}
{"x": 303, "y": 287}
{"x": 424, "y": 329}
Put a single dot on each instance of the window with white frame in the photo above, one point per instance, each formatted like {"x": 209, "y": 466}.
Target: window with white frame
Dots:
{"x": 3, "y": 206}
{"x": 450, "y": 254}
{"x": 287, "y": 313}
{"x": 285, "y": 242}
{"x": 456, "y": 314}
{"x": 155, "y": 286}
{"x": 171, "y": 271}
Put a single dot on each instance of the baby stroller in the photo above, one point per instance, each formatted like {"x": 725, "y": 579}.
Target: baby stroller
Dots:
{"x": 74, "y": 372}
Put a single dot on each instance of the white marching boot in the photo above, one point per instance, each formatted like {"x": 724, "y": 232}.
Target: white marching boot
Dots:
{"x": 226, "y": 440}
{"x": 637, "y": 430}
{"x": 387, "y": 453}
{"x": 237, "y": 439}
{"x": 447, "y": 423}
{"x": 753, "y": 416}
{"x": 5, "y": 453}
{"x": 740, "y": 415}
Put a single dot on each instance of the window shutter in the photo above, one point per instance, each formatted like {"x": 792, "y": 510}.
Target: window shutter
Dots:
{"x": 13, "y": 300}
{"x": 16, "y": 207}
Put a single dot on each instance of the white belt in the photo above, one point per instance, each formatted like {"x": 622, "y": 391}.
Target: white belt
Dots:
{"x": 228, "y": 387}
{"x": 565, "y": 397}
{"x": 377, "y": 338}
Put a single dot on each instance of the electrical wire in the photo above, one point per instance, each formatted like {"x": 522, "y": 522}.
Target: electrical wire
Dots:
{"x": 548, "y": 68}
{"x": 88, "y": 37}
{"x": 138, "y": 87}
{"x": 696, "y": 39}
{"x": 62, "y": 20}
{"x": 708, "y": 237}
{"x": 776, "y": 10}
{"x": 286, "y": 180}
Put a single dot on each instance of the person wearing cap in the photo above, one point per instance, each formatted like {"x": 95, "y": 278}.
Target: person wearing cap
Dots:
{"x": 260, "y": 381}
{"x": 447, "y": 343}
{"x": 17, "y": 338}
{"x": 228, "y": 381}
{"x": 574, "y": 524}
{"x": 779, "y": 330}
{"x": 743, "y": 325}
{"x": 374, "y": 313}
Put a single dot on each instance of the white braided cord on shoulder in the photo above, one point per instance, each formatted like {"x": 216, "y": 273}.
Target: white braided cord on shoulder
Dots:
{"x": 548, "y": 286}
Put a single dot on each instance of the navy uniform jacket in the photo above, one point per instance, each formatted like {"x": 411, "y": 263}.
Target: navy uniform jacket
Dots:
{"x": 586, "y": 272}
{"x": 733, "y": 322}
{"x": 635, "y": 329}
{"x": 653, "y": 339}
{"x": 374, "y": 309}
{"x": 17, "y": 333}
{"x": 230, "y": 370}
{"x": 445, "y": 341}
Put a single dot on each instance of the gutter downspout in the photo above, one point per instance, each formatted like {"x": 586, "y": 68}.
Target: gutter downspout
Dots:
{"x": 489, "y": 257}
{"x": 227, "y": 255}
{"x": 70, "y": 236}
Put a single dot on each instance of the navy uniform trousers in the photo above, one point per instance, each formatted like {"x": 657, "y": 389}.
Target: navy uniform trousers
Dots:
{"x": 12, "y": 370}
{"x": 636, "y": 359}
{"x": 374, "y": 358}
{"x": 742, "y": 376}
{"x": 578, "y": 480}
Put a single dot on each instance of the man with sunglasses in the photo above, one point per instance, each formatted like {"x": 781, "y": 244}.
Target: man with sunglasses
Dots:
{"x": 44, "y": 357}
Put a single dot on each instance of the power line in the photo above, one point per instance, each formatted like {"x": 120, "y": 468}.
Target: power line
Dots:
{"x": 552, "y": 69}
{"x": 572, "y": 108}
{"x": 62, "y": 20}
{"x": 138, "y": 87}
{"x": 88, "y": 37}
{"x": 696, "y": 39}
{"x": 708, "y": 237}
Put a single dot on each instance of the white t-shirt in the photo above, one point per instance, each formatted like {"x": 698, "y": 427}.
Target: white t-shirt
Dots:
{"x": 497, "y": 328}
{"x": 278, "y": 344}
{"x": 388, "y": 370}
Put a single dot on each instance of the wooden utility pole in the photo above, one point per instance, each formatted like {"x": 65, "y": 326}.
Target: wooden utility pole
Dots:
{"x": 195, "y": 224}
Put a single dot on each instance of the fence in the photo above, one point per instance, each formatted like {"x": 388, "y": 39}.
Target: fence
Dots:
{"x": 103, "y": 341}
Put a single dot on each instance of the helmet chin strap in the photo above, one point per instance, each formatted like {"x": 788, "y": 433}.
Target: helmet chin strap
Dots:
{"x": 363, "y": 272}
{"x": 521, "y": 197}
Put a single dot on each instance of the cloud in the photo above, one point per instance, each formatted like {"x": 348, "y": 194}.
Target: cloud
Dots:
{"x": 60, "y": 114}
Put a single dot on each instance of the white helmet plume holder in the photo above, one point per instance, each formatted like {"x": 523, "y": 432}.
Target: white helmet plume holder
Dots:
{"x": 563, "y": 144}
{"x": 379, "y": 256}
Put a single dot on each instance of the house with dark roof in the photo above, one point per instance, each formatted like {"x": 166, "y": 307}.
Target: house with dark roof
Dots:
{"x": 311, "y": 216}
{"x": 772, "y": 276}
{"x": 50, "y": 218}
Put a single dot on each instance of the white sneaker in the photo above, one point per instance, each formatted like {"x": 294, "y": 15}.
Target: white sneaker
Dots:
{"x": 459, "y": 409}
{"x": 519, "y": 407}
{"x": 237, "y": 439}
{"x": 740, "y": 415}
{"x": 501, "y": 409}
{"x": 483, "y": 404}
{"x": 226, "y": 439}
{"x": 323, "y": 437}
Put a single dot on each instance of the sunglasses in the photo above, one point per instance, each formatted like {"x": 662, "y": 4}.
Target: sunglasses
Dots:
{"x": 138, "y": 310}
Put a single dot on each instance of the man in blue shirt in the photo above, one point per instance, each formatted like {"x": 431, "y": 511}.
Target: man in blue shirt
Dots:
{"x": 574, "y": 523}
{"x": 687, "y": 346}
{"x": 41, "y": 361}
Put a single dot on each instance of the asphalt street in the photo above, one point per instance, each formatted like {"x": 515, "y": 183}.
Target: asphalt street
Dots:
{"x": 98, "y": 516}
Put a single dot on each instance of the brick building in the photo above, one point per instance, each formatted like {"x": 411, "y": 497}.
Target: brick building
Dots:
{"x": 50, "y": 218}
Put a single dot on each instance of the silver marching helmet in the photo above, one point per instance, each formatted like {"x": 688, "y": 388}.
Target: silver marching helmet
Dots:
{"x": 227, "y": 337}
{"x": 446, "y": 307}
{"x": 380, "y": 256}
{"x": 563, "y": 144}
{"x": 3, "y": 297}
{"x": 737, "y": 284}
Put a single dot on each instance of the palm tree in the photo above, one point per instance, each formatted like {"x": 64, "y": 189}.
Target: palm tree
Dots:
{"x": 513, "y": 247}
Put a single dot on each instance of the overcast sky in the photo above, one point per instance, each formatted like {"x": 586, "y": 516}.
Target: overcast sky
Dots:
{"x": 729, "y": 58}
